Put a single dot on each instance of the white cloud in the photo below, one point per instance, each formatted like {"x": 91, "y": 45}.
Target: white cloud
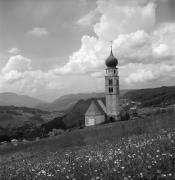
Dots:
{"x": 145, "y": 55}
{"x": 140, "y": 75}
{"x": 133, "y": 47}
{"x": 162, "y": 50}
{"x": 150, "y": 72}
{"x": 14, "y": 51}
{"x": 89, "y": 57}
{"x": 119, "y": 19}
{"x": 88, "y": 19}
{"x": 18, "y": 63}
{"x": 38, "y": 31}
{"x": 118, "y": 22}
{"x": 12, "y": 76}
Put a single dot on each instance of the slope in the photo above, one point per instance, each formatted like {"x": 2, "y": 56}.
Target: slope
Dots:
{"x": 154, "y": 96}
{"x": 67, "y": 101}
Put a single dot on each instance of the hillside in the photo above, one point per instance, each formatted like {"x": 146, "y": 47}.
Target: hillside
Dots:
{"x": 73, "y": 118}
{"x": 153, "y": 97}
{"x": 148, "y": 139}
{"x": 67, "y": 101}
{"x": 11, "y": 116}
{"x": 13, "y": 99}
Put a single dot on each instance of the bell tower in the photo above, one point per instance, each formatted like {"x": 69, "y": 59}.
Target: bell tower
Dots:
{"x": 112, "y": 88}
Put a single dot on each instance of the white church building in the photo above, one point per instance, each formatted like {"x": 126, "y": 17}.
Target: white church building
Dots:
{"x": 98, "y": 112}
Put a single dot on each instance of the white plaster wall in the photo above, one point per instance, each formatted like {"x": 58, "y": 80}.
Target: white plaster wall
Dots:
{"x": 89, "y": 120}
{"x": 99, "y": 119}
{"x": 93, "y": 120}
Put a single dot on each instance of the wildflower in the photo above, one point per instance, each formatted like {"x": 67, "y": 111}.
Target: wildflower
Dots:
{"x": 110, "y": 157}
{"x": 141, "y": 174}
{"x": 149, "y": 166}
{"x": 125, "y": 178}
{"x": 163, "y": 175}
{"x": 158, "y": 171}
{"x": 114, "y": 169}
{"x": 43, "y": 172}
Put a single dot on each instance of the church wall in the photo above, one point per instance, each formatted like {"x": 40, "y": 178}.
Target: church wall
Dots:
{"x": 89, "y": 120}
{"x": 93, "y": 120}
{"x": 99, "y": 119}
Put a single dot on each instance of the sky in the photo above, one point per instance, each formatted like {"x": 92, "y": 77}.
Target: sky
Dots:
{"x": 49, "y": 48}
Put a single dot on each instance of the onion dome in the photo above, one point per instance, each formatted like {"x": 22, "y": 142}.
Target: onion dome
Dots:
{"x": 111, "y": 61}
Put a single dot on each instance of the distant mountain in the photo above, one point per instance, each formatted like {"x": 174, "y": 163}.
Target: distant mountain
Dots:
{"x": 153, "y": 96}
{"x": 8, "y": 98}
{"x": 67, "y": 101}
{"x": 3, "y": 103}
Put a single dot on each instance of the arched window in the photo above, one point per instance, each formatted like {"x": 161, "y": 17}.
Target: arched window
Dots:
{"x": 110, "y": 82}
{"x": 110, "y": 90}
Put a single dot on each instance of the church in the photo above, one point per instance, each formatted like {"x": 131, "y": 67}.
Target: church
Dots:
{"x": 99, "y": 112}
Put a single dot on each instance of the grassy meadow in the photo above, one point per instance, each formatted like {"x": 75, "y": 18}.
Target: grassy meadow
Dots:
{"x": 136, "y": 157}
{"x": 137, "y": 149}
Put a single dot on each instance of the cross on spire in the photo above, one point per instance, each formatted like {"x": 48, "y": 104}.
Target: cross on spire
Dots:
{"x": 111, "y": 45}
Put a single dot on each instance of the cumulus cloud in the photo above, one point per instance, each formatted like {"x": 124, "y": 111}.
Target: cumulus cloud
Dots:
{"x": 18, "y": 63}
{"x": 133, "y": 47}
{"x": 14, "y": 69}
{"x": 146, "y": 54}
{"x": 162, "y": 50}
{"x": 119, "y": 22}
{"x": 150, "y": 72}
{"x": 19, "y": 76}
{"x": 14, "y": 51}
{"x": 119, "y": 19}
{"x": 88, "y": 19}
{"x": 38, "y": 32}
{"x": 12, "y": 76}
{"x": 89, "y": 57}
{"x": 131, "y": 26}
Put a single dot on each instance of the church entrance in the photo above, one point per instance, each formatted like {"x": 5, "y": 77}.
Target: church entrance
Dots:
{"x": 111, "y": 119}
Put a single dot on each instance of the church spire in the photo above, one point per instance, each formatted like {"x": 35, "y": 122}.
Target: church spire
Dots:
{"x": 111, "y": 61}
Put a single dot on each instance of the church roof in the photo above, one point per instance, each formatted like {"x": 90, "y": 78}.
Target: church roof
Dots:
{"x": 94, "y": 109}
{"x": 111, "y": 61}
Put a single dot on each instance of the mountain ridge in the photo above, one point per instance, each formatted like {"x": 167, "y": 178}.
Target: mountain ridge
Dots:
{"x": 65, "y": 102}
{"x": 10, "y": 98}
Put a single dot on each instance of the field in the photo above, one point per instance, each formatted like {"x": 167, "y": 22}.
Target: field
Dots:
{"x": 147, "y": 156}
